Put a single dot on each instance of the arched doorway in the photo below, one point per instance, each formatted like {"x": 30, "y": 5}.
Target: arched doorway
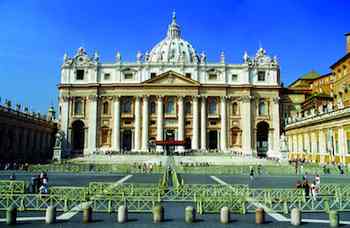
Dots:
{"x": 126, "y": 139}
{"x": 213, "y": 140}
{"x": 169, "y": 136}
{"x": 78, "y": 136}
{"x": 262, "y": 135}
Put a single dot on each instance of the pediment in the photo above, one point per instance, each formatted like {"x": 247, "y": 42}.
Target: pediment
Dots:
{"x": 171, "y": 78}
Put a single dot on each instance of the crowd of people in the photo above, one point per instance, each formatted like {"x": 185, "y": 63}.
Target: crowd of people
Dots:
{"x": 311, "y": 188}
{"x": 39, "y": 184}
{"x": 194, "y": 164}
{"x": 145, "y": 167}
{"x": 299, "y": 165}
{"x": 13, "y": 166}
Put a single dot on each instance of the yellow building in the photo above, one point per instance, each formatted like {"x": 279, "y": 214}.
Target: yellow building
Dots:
{"x": 321, "y": 132}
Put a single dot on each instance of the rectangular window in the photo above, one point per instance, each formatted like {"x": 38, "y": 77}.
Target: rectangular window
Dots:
{"x": 213, "y": 76}
{"x": 188, "y": 75}
{"x": 234, "y": 77}
{"x": 261, "y": 76}
{"x": 107, "y": 76}
{"x": 153, "y": 75}
{"x": 80, "y": 75}
{"x": 128, "y": 76}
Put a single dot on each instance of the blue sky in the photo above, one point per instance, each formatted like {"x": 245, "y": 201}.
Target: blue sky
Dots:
{"x": 304, "y": 34}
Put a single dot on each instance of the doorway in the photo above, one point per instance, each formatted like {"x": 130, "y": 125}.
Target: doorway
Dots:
{"x": 213, "y": 140}
{"x": 78, "y": 137}
{"x": 262, "y": 134}
{"x": 126, "y": 139}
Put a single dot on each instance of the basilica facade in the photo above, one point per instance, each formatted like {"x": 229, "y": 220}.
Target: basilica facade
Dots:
{"x": 170, "y": 93}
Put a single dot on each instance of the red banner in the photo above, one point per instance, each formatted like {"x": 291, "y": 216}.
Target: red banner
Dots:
{"x": 170, "y": 142}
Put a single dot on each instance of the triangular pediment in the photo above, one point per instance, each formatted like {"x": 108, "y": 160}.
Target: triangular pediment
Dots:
{"x": 171, "y": 78}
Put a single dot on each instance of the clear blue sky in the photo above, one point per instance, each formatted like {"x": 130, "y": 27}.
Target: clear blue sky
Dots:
{"x": 305, "y": 35}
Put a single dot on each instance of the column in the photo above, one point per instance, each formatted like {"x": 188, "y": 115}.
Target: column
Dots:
{"x": 322, "y": 145}
{"x": 313, "y": 143}
{"x": 223, "y": 130}
{"x": 64, "y": 115}
{"x": 116, "y": 124}
{"x": 300, "y": 143}
{"x": 145, "y": 124}
{"x": 341, "y": 143}
{"x": 276, "y": 126}
{"x": 195, "y": 123}
{"x": 92, "y": 124}
{"x": 181, "y": 121}
{"x": 160, "y": 122}
{"x": 204, "y": 124}
{"x": 246, "y": 125}
{"x": 137, "y": 125}
{"x": 295, "y": 144}
{"x": 290, "y": 143}
{"x": 307, "y": 143}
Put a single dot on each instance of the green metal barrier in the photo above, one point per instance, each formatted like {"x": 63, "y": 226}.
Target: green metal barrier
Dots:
{"x": 12, "y": 187}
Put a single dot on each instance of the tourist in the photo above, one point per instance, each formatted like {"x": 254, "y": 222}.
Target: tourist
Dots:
{"x": 341, "y": 169}
{"x": 251, "y": 175}
{"x": 299, "y": 184}
{"x": 44, "y": 189}
{"x": 313, "y": 191}
{"x": 12, "y": 177}
{"x": 306, "y": 187}
{"x": 317, "y": 180}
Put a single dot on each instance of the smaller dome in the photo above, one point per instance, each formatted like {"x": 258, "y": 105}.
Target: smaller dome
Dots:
{"x": 173, "y": 48}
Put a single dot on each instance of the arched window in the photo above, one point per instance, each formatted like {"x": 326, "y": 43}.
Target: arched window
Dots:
{"x": 152, "y": 107}
{"x": 170, "y": 105}
{"x": 126, "y": 105}
{"x": 212, "y": 105}
{"x": 235, "y": 109}
{"x": 78, "y": 106}
{"x": 188, "y": 107}
{"x": 262, "y": 107}
{"x": 105, "y": 108}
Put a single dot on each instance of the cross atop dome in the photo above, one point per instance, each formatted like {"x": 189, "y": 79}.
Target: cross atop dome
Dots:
{"x": 174, "y": 29}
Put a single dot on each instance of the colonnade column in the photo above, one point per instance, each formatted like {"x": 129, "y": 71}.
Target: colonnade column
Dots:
{"x": 307, "y": 143}
{"x": 223, "y": 131}
{"x": 322, "y": 145}
{"x": 160, "y": 121}
{"x": 204, "y": 123}
{"x": 116, "y": 124}
{"x": 137, "y": 126}
{"x": 313, "y": 143}
{"x": 300, "y": 143}
{"x": 246, "y": 125}
{"x": 295, "y": 143}
{"x": 92, "y": 123}
{"x": 145, "y": 124}
{"x": 181, "y": 121}
{"x": 342, "y": 144}
{"x": 195, "y": 122}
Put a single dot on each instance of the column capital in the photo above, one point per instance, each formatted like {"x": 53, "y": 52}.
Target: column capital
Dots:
{"x": 160, "y": 97}
{"x": 116, "y": 97}
{"x": 246, "y": 98}
{"x": 180, "y": 98}
{"x": 145, "y": 97}
{"x": 276, "y": 100}
{"x": 137, "y": 97}
{"x": 93, "y": 97}
{"x": 65, "y": 98}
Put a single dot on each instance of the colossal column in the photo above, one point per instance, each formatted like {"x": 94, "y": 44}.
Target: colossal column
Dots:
{"x": 92, "y": 124}
{"x": 203, "y": 124}
{"x": 145, "y": 124}
{"x": 195, "y": 122}
{"x": 137, "y": 126}
{"x": 276, "y": 126}
{"x": 181, "y": 121}
{"x": 223, "y": 130}
{"x": 160, "y": 121}
{"x": 64, "y": 115}
{"x": 246, "y": 125}
{"x": 116, "y": 124}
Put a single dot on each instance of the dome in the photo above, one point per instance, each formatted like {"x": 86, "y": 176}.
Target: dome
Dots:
{"x": 173, "y": 49}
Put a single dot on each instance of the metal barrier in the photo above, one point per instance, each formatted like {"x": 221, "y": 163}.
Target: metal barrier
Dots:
{"x": 12, "y": 187}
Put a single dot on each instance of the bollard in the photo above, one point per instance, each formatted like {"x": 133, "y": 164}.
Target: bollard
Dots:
{"x": 224, "y": 215}
{"x": 158, "y": 214}
{"x": 11, "y": 215}
{"x": 190, "y": 214}
{"x": 259, "y": 216}
{"x": 122, "y": 214}
{"x": 50, "y": 216}
{"x": 295, "y": 217}
{"x": 333, "y": 219}
{"x": 87, "y": 214}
